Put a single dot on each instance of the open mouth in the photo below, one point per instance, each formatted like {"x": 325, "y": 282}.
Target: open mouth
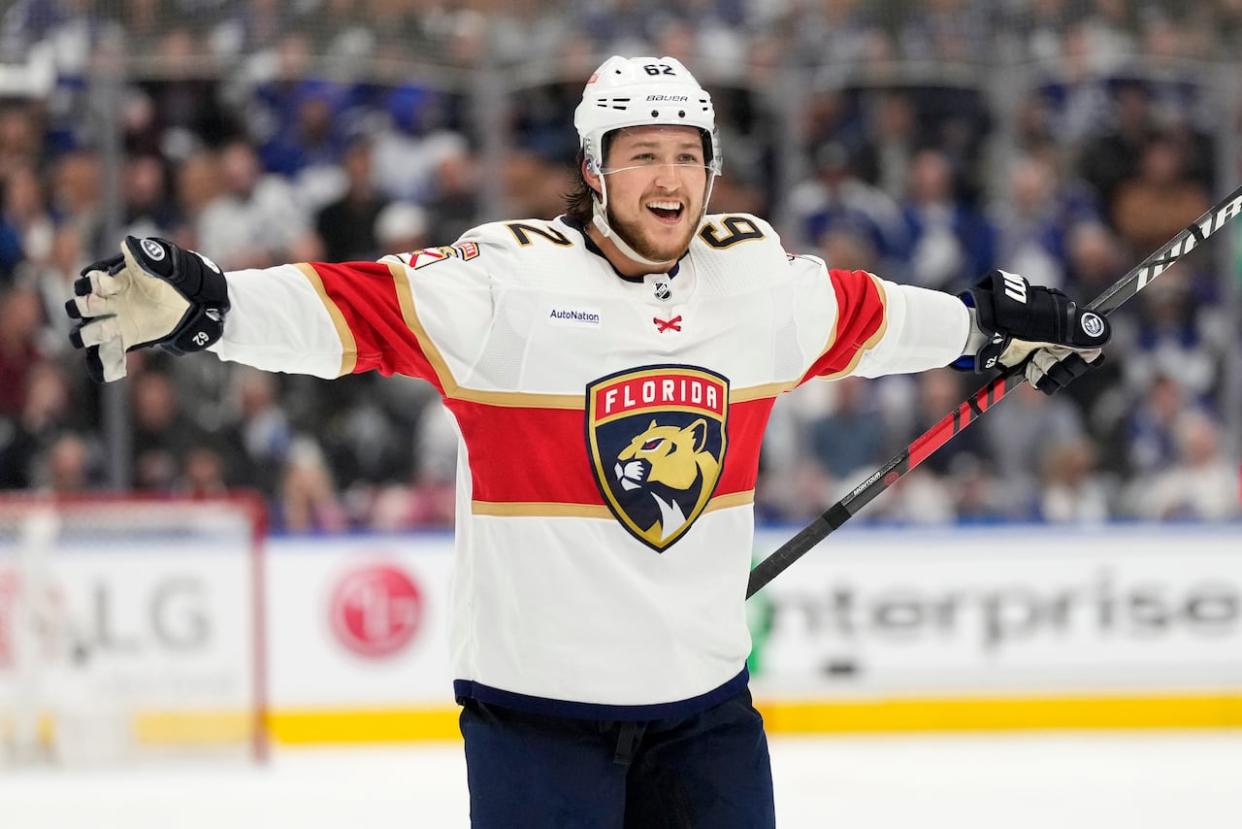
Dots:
{"x": 667, "y": 211}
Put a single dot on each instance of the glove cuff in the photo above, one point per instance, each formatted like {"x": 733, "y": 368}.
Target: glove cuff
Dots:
{"x": 201, "y": 328}
{"x": 984, "y": 345}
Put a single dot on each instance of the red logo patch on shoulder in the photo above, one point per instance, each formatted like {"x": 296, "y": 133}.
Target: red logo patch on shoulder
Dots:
{"x": 430, "y": 256}
{"x": 656, "y": 438}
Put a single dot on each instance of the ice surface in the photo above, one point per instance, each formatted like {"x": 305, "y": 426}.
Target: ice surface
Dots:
{"x": 1016, "y": 781}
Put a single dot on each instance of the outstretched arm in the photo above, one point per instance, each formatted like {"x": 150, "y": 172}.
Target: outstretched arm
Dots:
{"x": 879, "y": 327}
{"x": 321, "y": 319}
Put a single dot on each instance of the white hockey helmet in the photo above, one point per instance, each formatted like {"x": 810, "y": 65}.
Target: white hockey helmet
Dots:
{"x": 633, "y": 92}
{"x": 638, "y": 92}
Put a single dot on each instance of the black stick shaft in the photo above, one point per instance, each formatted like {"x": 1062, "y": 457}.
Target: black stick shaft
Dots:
{"x": 984, "y": 398}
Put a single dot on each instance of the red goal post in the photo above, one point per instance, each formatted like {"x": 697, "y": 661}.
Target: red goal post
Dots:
{"x": 131, "y": 628}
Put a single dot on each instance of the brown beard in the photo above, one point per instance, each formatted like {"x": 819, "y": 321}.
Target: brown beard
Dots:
{"x": 632, "y": 235}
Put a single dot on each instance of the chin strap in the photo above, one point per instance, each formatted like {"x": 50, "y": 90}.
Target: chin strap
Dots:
{"x": 599, "y": 218}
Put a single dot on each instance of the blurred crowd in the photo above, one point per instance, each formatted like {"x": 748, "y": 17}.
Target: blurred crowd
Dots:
{"x": 262, "y": 132}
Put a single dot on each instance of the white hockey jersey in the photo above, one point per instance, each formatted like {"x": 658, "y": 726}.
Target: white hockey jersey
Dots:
{"x": 609, "y": 432}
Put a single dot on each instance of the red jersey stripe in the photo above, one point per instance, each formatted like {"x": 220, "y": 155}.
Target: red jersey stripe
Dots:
{"x": 861, "y": 322}
{"x": 367, "y": 295}
{"x": 539, "y": 455}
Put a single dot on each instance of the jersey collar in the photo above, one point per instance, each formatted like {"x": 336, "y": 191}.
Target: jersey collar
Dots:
{"x": 594, "y": 248}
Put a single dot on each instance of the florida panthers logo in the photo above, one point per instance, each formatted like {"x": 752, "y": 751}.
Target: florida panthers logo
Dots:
{"x": 657, "y": 440}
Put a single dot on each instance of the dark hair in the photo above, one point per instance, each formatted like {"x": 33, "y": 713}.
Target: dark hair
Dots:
{"x": 578, "y": 207}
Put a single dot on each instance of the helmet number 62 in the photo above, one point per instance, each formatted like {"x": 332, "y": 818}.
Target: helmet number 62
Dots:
{"x": 658, "y": 69}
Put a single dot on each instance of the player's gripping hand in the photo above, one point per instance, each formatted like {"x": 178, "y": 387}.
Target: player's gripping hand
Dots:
{"x": 152, "y": 293}
{"x": 1019, "y": 322}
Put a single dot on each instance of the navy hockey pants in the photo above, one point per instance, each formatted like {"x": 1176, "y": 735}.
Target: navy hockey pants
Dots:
{"x": 530, "y": 771}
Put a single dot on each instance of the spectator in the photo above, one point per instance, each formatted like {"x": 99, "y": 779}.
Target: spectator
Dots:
{"x": 20, "y": 137}
{"x": 945, "y": 30}
{"x": 849, "y": 251}
{"x": 75, "y": 193}
{"x": 950, "y": 245}
{"x": 1152, "y": 207}
{"x": 979, "y": 496}
{"x": 308, "y": 500}
{"x": 257, "y": 221}
{"x": 1030, "y": 231}
{"x": 204, "y": 475}
{"x": 1079, "y": 94}
{"x": 162, "y": 433}
{"x": 308, "y": 150}
{"x": 1201, "y": 485}
{"x": 837, "y": 200}
{"x": 1112, "y": 158}
{"x": 454, "y": 205}
{"x": 1152, "y": 425}
{"x": 198, "y": 187}
{"x": 25, "y": 227}
{"x": 922, "y": 497}
{"x": 344, "y": 36}
{"x": 401, "y": 227}
{"x": 1019, "y": 439}
{"x": 940, "y": 392}
{"x": 262, "y": 431}
{"x": 1071, "y": 493}
{"x": 347, "y": 226}
{"x": 20, "y": 318}
{"x": 1038, "y": 216}
{"x": 535, "y": 186}
{"x": 884, "y": 159}
{"x": 67, "y": 470}
{"x": 44, "y": 417}
{"x": 53, "y": 279}
{"x": 1178, "y": 336}
{"x": 1095, "y": 258}
{"x": 148, "y": 211}
{"x": 849, "y": 440}
{"x": 411, "y": 147}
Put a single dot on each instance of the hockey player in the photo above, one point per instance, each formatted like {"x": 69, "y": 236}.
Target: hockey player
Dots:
{"x": 610, "y": 374}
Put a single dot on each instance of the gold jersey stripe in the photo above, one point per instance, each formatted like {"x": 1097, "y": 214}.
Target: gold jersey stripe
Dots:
{"x": 543, "y": 509}
{"x": 349, "y": 346}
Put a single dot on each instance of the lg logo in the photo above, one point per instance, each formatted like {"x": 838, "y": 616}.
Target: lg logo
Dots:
{"x": 376, "y": 610}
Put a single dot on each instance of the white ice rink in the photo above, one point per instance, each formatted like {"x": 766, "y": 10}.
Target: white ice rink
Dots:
{"x": 1040, "y": 781}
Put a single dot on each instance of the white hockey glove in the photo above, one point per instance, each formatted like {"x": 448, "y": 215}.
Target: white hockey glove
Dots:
{"x": 1018, "y": 322}
{"x": 152, "y": 293}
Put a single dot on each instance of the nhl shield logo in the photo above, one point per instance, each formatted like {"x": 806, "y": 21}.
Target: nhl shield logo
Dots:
{"x": 657, "y": 443}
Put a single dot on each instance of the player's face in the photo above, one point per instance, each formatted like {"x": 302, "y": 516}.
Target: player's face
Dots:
{"x": 657, "y": 180}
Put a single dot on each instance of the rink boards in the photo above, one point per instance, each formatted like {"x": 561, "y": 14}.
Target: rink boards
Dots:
{"x": 1016, "y": 627}
{"x": 1003, "y": 628}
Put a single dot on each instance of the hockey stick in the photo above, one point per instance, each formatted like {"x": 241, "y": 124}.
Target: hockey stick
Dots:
{"x": 989, "y": 395}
